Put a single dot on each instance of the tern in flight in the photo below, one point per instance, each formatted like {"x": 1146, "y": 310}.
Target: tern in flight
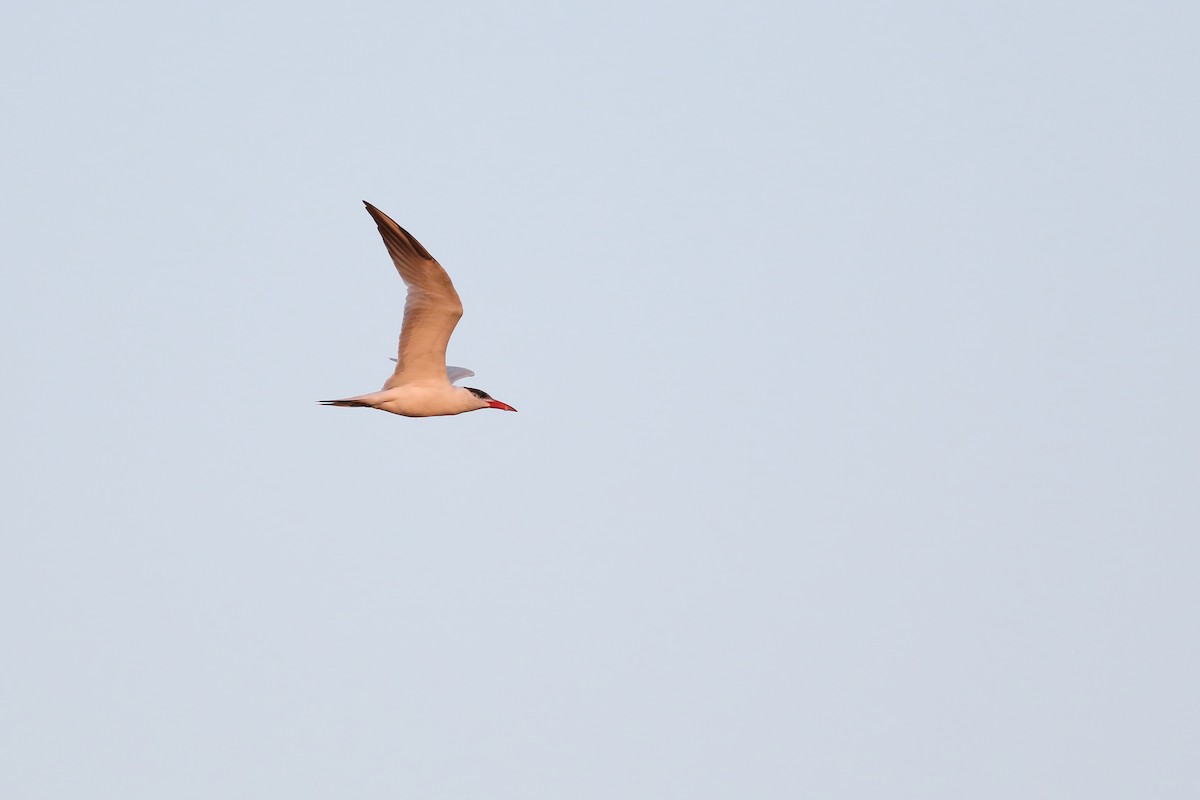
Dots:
{"x": 422, "y": 385}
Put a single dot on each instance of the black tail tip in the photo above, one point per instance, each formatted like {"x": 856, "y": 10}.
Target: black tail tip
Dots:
{"x": 345, "y": 403}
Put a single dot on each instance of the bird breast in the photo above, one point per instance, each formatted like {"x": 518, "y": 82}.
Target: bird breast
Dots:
{"x": 427, "y": 401}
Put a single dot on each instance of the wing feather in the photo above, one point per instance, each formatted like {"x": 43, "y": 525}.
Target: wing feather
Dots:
{"x": 430, "y": 312}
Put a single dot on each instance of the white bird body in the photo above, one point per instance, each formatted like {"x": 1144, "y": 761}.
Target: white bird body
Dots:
{"x": 419, "y": 401}
{"x": 422, "y": 385}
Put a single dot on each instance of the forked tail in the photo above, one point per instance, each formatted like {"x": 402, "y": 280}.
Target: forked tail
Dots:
{"x": 352, "y": 403}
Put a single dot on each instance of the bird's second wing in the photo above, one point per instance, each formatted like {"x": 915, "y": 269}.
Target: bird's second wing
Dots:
{"x": 453, "y": 374}
{"x": 431, "y": 311}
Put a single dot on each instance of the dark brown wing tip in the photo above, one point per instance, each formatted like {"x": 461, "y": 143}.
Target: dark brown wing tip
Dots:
{"x": 386, "y": 223}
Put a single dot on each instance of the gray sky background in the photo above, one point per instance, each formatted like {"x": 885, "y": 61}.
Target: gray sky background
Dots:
{"x": 855, "y": 347}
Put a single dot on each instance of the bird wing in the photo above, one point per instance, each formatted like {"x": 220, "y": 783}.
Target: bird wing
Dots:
{"x": 431, "y": 311}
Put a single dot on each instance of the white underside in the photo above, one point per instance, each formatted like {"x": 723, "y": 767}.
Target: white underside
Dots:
{"x": 416, "y": 400}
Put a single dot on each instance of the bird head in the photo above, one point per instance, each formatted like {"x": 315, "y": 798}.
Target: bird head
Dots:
{"x": 488, "y": 401}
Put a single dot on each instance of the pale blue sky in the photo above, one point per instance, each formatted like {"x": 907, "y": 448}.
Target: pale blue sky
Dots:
{"x": 855, "y": 347}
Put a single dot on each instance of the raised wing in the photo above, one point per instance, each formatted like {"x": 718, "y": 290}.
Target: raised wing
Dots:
{"x": 431, "y": 311}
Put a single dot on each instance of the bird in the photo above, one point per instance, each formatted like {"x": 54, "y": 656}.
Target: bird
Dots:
{"x": 422, "y": 385}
